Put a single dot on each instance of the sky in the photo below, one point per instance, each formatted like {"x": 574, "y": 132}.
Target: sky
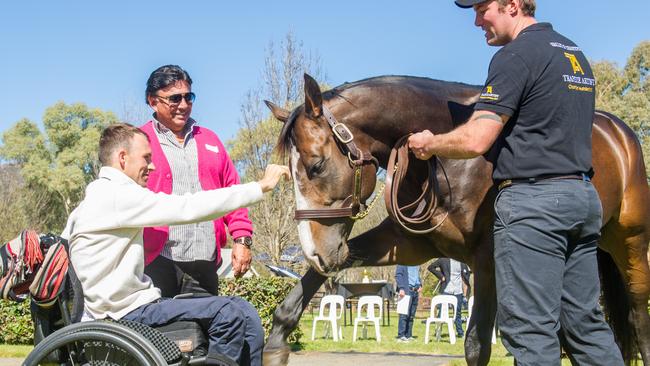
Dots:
{"x": 101, "y": 52}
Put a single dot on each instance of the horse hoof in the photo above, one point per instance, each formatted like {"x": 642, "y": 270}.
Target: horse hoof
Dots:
{"x": 276, "y": 357}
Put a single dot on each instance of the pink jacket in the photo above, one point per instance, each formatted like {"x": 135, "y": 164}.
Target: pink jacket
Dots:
{"x": 216, "y": 170}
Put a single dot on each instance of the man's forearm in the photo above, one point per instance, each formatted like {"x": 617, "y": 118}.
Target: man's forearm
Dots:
{"x": 457, "y": 144}
{"x": 469, "y": 140}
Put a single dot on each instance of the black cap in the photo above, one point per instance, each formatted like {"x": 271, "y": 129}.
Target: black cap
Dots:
{"x": 468, "y": 3}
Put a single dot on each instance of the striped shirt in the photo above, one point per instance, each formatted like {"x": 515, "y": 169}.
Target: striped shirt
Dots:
{"x": 189, "y": 242}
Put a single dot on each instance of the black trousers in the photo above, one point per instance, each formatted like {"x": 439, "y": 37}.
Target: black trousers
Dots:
{"x": 545, "y": 239}
{"x": 173, "y": 278}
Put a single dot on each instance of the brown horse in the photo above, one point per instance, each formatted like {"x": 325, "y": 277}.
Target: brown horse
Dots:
{"x": 377, "y": 112}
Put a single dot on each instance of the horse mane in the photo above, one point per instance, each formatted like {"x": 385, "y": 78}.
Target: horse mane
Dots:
{"x": 285, "y": 139}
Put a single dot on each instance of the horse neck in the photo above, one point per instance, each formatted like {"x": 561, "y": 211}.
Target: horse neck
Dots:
{"x": 378, "y": 129}
{"x": 384, "y": 109}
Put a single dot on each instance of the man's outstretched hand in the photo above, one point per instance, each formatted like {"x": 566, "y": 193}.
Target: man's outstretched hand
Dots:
{"x": 272, "y": 176}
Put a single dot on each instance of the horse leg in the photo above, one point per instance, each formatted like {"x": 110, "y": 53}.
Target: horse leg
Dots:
{"x": 366, "y": 249}
{"x": 640, "y": 318}
{"x": 478, "y": 341}
{"x": 385, "y": 245}
{"x": 286, "y": 318}
{"x": 625, "y": 282}
{"x": 379, "y": 247}
{"x": 637, "y": 274}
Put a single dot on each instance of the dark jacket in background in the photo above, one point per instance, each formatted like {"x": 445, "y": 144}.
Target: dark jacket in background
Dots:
{"x": 402, "y": 278}
{"x": 441, "y": 267}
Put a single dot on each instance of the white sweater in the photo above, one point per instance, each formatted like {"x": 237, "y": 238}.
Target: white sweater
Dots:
{"x": 105, "y": 235}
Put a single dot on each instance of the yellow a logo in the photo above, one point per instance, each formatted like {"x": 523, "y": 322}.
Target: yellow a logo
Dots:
{"x": 488, "y": 89}
{"x": 574, "y": 63}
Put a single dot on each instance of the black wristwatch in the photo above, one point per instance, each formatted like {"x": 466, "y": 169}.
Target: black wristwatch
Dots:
{"x": 247, "y": 241}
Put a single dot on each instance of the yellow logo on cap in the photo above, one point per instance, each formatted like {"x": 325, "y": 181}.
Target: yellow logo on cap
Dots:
{"x": 574, "y": 63}
{"x": 488, "y": 89}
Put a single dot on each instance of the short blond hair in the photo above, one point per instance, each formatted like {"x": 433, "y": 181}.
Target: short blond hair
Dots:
{"x": 527, "y": 6}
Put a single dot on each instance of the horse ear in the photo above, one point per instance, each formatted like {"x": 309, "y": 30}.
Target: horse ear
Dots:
{"x": 279, "y": 113}
{"x": 313, "y": 97}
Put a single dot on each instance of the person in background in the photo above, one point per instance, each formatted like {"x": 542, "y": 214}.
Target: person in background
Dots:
{"x": 408, "y": 283}
{"x": 189, "y": 158}
{"x": 454, "y": 279}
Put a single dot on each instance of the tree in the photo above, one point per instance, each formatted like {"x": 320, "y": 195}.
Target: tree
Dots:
{"x": 21, "y": 205}
{"x": 135, "y": 112}
{"x": 60, "y": 162}
{"x": 626, "y": 93}
{"x": 253, "y": 147}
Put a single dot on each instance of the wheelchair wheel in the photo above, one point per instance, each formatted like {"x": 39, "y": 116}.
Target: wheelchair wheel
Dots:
{"x": 95, "y": 343}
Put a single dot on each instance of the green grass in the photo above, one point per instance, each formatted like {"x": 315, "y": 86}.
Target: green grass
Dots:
{"x": 14, "y": 351}
{"x": 389, "y": 342}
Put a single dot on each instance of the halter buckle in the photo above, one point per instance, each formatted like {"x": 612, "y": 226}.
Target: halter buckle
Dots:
{"x": 342, "y": 133}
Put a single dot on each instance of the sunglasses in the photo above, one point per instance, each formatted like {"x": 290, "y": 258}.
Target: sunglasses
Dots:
{"x": 176, "y": 98}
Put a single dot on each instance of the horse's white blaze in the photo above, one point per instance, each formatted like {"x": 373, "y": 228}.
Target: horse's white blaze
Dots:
{"x": 304, "y": 232}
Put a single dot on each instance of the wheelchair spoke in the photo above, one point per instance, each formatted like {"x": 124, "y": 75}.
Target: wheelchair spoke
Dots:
{"x": 106, "y": 358}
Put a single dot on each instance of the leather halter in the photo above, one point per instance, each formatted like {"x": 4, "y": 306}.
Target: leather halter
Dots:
{"x": 417, "y": 213}
{"x": 357, "y": 159}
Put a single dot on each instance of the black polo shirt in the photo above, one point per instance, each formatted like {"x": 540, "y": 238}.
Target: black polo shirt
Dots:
{"x": 544, "y": 83}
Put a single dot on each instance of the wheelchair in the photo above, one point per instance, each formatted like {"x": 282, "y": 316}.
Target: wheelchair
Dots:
{"x": 62, "y": 339}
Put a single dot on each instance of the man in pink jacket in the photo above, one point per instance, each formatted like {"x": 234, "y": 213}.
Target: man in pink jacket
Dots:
{"x": 188, "y": 159}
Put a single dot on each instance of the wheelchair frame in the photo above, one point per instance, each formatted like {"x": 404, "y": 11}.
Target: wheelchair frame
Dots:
{"x": 101, "y": 342}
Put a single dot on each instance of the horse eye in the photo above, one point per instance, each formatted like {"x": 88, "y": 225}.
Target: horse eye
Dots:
{"x": 317, "y": 168}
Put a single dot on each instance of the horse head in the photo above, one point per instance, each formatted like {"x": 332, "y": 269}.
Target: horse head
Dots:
{"x": 333, "y": 174}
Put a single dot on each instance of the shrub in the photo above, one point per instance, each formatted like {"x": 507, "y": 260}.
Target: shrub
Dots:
{"x": 16, "y": 323}
{"x": 265, "y": 294}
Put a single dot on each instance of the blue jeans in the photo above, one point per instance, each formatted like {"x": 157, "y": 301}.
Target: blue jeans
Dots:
{"x": 458, "y": 321}
{"x": 232, "y": 324}
{"x": 405, "y": 324}
{"x": 545, "y": 239}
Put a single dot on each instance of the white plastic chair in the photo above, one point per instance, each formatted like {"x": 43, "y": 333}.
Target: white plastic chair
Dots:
{"x": 369, "y": 302}
{"x": 470, "y": 304}
{"x": 334, "y": 305}
{"x": 443, "y": 302}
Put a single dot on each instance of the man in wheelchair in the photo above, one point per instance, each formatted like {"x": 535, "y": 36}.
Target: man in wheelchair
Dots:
{"x": 106, "y": 247}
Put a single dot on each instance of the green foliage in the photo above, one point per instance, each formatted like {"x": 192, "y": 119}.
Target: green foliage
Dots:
{"x": 59, "y": 163}
{"x": 265, "y": 294}
{"x": 23, "y": 208}
{"x": 16, "y": 323}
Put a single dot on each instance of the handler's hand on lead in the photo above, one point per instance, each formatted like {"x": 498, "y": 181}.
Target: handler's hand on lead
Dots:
{"x": 272, "y": 176}
{"x": 419, "y": 144}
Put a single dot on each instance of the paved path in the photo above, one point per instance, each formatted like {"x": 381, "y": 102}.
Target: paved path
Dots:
{"x": 367, "y": 359}
{"x": 339, "y": 359}
{"x": 11, "y": 361}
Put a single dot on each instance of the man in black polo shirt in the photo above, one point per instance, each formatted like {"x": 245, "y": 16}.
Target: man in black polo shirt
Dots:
{"x": 535, "y": 113}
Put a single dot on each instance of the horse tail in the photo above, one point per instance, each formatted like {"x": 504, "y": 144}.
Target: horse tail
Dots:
{"x": 616, "y": 305}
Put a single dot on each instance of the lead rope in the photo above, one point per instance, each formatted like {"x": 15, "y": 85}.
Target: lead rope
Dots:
{"x": 424, "y": 207}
